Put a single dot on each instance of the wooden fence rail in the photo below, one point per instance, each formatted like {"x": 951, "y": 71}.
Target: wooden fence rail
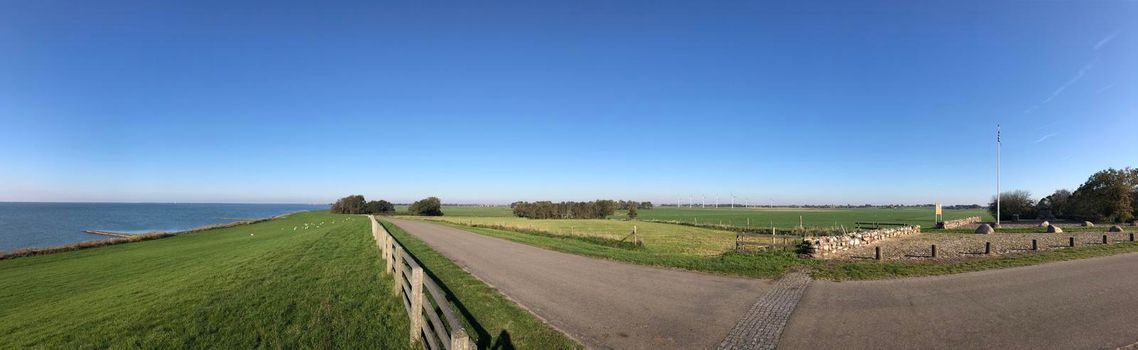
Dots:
{"x": 434, "y": 322}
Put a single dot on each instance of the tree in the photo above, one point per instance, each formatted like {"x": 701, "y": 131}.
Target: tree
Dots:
{"x": 430, "y": 206}
{"x": 379, "y": 207}
{"x": 1057, "y": 204}
{"x": 632, "y": 212}
{"x": 1108, "y": 195}
{"x": 1014, "y": 203}
{"x": 353, "y": 204}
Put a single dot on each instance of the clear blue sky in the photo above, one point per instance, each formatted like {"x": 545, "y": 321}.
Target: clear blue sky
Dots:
{"x": 790, "y": 101}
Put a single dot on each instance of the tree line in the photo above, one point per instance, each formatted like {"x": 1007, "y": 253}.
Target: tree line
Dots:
{"x": 627, "y": 205}
{"x": 355, "y": 204}
{"x": 598, "y": 209}
{"x": 1110, "y": 195}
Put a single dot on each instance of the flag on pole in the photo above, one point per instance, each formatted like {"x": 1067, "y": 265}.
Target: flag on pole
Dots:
{"x": 997, "y": 133}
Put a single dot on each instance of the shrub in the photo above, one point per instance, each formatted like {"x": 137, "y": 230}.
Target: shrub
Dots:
{"x": 1014, "y": 203}
{"x": 430, "y": 206}
{"x": 379, "y": 207}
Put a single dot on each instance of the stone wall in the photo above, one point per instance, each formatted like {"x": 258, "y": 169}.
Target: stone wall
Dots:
{"x": 958, "y": 222}
{"x": 821, "y": 247}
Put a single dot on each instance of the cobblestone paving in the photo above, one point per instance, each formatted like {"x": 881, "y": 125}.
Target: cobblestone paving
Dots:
{"x": 761, "y": 327}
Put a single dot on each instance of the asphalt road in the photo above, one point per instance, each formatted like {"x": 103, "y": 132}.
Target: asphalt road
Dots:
{"x": 1082, "y": 304}
{"x": 604, "y": 304}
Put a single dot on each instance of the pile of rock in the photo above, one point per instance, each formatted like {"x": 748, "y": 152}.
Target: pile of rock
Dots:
{"x": 823, "y": 246}
{"x": 958, "y": 222}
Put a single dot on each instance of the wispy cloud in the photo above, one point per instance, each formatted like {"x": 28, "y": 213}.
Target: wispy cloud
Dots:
{"x": 1045, "y": 137}
{"x": 1075, "y": 78}
{"x": 1106, "y": 40}
{"x": 1104, "y": 88}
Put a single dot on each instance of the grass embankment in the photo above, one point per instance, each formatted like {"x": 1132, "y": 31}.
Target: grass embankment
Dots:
{"x": 261, "y": 285}
{"x": 495, "y": 321}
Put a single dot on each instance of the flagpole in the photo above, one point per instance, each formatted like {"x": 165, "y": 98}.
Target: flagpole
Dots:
{"x": 998, "y": 142}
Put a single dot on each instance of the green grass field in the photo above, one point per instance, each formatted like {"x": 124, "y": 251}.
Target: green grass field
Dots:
{"x": 789, "y": 217}
{"x": 759, "y": 218}
{"x": 254, "y": 286}
{"x": 657, "y": 237}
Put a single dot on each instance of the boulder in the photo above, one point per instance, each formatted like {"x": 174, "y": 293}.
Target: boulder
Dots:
{"x": 1044, "y": 224}
{"x": 1088, "y": 224}
{"x": 985, "y": 229}
{"x": 1115, "y": 228}
{"x": 1054, "y": 229}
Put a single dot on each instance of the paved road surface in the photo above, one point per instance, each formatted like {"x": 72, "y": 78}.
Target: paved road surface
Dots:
{"x": 602, "y": 303}
{"x": 1083, "y": 304}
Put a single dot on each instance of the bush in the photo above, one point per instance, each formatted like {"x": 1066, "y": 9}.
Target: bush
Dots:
{"x": 632, "y": 212}
{"x": 430, "y": 206}
{"x": 1014, "y": 203}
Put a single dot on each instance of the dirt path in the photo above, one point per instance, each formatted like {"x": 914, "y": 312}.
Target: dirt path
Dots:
{"x": 604, "y": 304}
{"x": 1082, "y": 304}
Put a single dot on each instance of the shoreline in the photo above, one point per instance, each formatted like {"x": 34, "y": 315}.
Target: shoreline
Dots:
{"x": 121, "y": 238}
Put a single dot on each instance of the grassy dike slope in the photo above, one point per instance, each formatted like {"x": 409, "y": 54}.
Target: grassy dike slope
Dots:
{"x": 253, "y": 286}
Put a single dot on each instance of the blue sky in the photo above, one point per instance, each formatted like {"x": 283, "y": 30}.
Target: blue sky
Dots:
{"x": 490, "y": 102}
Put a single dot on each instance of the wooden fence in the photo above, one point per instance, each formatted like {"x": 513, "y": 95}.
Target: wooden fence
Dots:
{"x": 434, "y": 322}
{"x": 877, "y": 225}
{"x": 745, "y": 242}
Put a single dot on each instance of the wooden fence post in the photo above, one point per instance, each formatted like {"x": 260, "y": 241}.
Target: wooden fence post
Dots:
{"x": 934, "y": 250}
{"x": 1072, "y": 242}
{"x": 416, "y": 298}
{"x": 386, "y": 251}
{"x": 460, "y": 341}
{"x": 1104, "y": 239}
{"x": 1034, "y": 245}
{"x": 398, "y": 268}
{"x": 987, "y": 247}
{"x": 877, "y": 253}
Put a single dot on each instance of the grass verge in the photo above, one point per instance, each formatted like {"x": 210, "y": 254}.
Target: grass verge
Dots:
{"x": 496, "y": 321}
{"x": 768, "y": 264}
{"x": 773, "y": 264}
{"x": 265, "y": 285}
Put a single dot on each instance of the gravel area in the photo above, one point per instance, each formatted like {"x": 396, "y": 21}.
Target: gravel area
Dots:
{"x": 958, "y": 246}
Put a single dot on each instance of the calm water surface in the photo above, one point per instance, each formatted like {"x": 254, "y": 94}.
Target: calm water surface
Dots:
{"x": 24, "y": 225}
